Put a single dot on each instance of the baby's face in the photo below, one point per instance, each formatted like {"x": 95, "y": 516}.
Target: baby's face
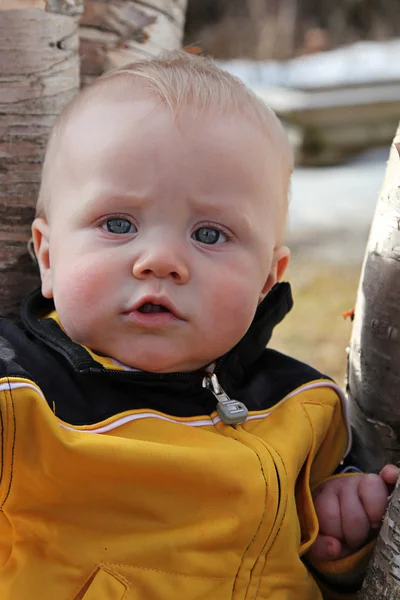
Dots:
{"x": 161, "y": 238}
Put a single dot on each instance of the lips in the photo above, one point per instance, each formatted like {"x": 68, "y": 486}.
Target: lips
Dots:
{"x": 153, "y": 306}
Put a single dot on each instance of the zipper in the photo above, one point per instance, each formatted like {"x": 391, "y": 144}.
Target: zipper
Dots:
{"x": 231, "y": 412}
{"x": 270, "y": 517}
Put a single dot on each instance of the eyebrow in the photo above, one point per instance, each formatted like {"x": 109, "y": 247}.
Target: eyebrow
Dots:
{"x": 121, "y": 200}
{"x": 208, "y": 204}
{"x": 217, "y": 212}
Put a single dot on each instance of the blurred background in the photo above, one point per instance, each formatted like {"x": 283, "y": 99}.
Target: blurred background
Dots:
{"x": 331, "y": 70}
{"x": 282, "y": 29}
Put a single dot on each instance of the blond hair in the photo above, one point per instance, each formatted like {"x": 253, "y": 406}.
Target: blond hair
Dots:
{"x": 178, "y": 79}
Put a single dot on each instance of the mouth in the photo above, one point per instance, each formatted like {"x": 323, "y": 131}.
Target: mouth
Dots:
{"x": 149, "y": 308}
{"x": 155, "y": 306}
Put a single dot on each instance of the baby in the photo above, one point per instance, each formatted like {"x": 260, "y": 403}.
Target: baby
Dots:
{"x": 152, "y": 447}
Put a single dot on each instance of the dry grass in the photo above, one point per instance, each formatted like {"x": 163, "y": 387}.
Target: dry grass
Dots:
{"x": 315, "y": 330}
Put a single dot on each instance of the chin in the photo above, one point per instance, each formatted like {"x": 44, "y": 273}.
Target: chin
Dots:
{"x": 144, "y": 362}
{"x": 153, "y": 367}
{"x": 157, "y": 357}
{"x": 158, "y": 364}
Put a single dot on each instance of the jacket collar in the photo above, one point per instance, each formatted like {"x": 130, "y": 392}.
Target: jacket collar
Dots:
{"x": 230, "y": 368}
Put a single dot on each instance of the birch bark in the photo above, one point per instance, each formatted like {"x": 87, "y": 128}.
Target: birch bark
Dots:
{"x": 374, "y": 373}
{"x": 39, "y": 73}
{"x": 117, "y": 32}
{"x": 374, "y": 359}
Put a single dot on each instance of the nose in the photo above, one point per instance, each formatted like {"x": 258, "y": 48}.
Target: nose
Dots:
{"x": 162, "y": 261}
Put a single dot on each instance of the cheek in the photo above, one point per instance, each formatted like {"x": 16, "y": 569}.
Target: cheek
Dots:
{"x": 232, "y": 304}
{"x": 79, "y": 282}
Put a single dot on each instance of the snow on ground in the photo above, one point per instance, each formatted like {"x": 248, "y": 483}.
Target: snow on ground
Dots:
{"x": 360, "y": 63}
{"x": 331, "y": 209}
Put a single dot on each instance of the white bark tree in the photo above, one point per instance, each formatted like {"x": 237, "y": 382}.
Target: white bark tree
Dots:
{"x": 39, "y": 73}
{"x": 374, "y": 360}
{"x": 374, "y": 373}
{"x": 117, "y": 32}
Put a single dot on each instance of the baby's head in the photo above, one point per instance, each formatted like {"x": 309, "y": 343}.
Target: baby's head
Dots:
{"x": 161, "y": 213}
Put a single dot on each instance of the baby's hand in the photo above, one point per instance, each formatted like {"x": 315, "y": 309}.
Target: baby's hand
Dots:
{"x": 347, "y": 509}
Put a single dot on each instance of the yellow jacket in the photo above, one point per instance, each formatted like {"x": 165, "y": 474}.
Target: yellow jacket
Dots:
{"x": 148, "y": 505}
{"x": 145, "y": 506}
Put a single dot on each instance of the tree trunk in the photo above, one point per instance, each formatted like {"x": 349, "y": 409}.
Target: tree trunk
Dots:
{"x": 117, "y": 32}
{"x": 39, "y": 74}
{"x": 374, "y": 360}
{"x": 374, "y": 373}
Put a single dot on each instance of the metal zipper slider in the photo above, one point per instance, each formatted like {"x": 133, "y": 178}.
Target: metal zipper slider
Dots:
{"x": 231, "y": 412}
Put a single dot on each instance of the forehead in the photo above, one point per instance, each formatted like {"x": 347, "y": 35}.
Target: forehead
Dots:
{"x": 104, "y": 123}
{"x": 123, "y": 143}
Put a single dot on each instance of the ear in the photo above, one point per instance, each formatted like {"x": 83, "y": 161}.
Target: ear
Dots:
{"x": 40, "y": 238}
{"x": 279, "y": 265}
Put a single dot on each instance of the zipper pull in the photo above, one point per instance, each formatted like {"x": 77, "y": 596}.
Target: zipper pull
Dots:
{"x": 231, "y": 412}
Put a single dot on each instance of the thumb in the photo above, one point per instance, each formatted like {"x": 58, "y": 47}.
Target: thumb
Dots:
{"x": 325, "y": 547}
{"x": 389, "y": 474}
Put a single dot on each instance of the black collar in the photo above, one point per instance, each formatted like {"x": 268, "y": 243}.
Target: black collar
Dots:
{"x": 269, "y": 313}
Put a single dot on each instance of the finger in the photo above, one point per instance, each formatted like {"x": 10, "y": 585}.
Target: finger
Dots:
{"x": 328, "y": 511}
{"x": 389, "y": 474}
{"x": 324, "y": 548}
{"x": 355, "y": 522}
{"x": 373, "y": 494}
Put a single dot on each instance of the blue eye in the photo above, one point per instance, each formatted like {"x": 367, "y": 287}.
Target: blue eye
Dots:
{"x": 208, "y": 235}
{"x": 119, "y": 226}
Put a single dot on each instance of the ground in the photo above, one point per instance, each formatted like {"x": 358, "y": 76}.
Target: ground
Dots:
{"x": 315, "y": 330}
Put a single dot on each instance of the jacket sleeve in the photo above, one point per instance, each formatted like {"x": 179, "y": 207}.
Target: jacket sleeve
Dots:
{"x": 339, "y": 578}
